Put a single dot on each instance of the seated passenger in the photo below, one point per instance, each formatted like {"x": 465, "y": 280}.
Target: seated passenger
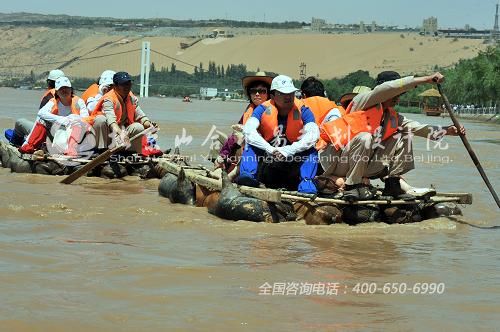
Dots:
{"x": 63, "y": 109}
{"x": 256, "y": 89}
{"x": 280, "y": 137}
{"x": 118, "y": 112}
{"x": 23, "y": 126}
{"x": 93, "y": 89}
{"x": 105, "y": 85}
{"x": 373, "y": 140}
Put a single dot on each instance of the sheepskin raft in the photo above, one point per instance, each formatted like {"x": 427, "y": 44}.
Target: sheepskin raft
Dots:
{"x": 225, "y": 199}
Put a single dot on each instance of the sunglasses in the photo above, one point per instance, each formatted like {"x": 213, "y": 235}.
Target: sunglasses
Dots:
{"x": 261, "y": 91}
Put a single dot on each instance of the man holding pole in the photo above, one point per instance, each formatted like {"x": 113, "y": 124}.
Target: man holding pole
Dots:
{"x": 118, "y": 112}
{"x": 373, "y": 140}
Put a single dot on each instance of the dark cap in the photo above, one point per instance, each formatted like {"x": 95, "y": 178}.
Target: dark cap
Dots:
{"x": 121, "y": 77}
{"x": 386, "y": 76}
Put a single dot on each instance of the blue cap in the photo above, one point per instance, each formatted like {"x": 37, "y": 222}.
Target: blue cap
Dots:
{"x": 121, "y": 77}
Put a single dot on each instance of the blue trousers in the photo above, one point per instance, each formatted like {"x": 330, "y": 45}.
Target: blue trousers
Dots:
{"x": 255, "y": 164}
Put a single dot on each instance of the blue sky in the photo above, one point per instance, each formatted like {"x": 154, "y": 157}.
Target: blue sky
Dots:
{"x": 450, "y": 13}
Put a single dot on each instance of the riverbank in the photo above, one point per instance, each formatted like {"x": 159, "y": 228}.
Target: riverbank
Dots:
{"x": 403, "y": 52}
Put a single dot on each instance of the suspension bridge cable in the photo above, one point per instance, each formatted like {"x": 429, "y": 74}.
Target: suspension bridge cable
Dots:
{"x": 105, "y": 55}
{"x": 175, "y": 59}
{"x": 95, "y": 57}
{"x": 64, "y": 61}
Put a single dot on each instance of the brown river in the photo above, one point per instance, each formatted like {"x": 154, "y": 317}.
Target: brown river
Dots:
{"x": 112, "y": 255}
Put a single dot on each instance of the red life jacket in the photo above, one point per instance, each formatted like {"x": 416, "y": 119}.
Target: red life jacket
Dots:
{"x": 90, "y": 92}
{"x": 75, "y": 108}
{"x": 248, "y": 112}
{"x": 117, "y": 107}
{"x": 320, "y": 106}
{"x": 269, "y": 121}
{"x": 51, "y": 92}
{"x": 340, "y": 131}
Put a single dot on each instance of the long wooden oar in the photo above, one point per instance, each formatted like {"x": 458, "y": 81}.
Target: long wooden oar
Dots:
{"x": 472, "y": 154}
{"x": 102, "y": 158}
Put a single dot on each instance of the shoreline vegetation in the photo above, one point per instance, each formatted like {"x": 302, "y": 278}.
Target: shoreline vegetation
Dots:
{"x": 469, "y": 81}
{"x": 473, "y": 81}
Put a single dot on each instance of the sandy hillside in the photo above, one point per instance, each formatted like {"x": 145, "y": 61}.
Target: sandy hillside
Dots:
{"x": 325, "y": 55}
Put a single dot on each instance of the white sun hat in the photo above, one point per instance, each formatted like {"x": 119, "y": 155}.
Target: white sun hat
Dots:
{"x": 55, "y": 74}
{"x": 283, "y": 84}
{"x": 107, "y": 77}
{"x": 62, "y": 82}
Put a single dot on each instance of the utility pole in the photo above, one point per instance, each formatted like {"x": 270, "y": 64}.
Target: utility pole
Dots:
{"x": 145, "y": 66}
{"x": 302, "y": 71}
{"x": 495, "y": 32}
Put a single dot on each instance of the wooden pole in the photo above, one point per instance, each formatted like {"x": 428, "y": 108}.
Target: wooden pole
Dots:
{"x": 472, "y": 154}
{"x": 101, "y": 158}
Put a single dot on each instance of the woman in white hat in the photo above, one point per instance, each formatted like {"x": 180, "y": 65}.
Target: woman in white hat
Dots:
{"x": 256, "y": 88}
{"x": 105, "y": 85}
{"x": 63, "y": 109}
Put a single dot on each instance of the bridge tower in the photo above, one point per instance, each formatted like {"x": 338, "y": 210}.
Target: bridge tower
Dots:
{"x": 495, "y": 33}
{"x": 145, "y": 66}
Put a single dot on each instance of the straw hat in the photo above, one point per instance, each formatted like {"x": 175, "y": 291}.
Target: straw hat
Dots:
{"x": 346, "y": 98}
{"x": 259, "y": 76}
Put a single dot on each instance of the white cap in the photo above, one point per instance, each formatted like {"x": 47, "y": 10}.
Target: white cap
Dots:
{"x": 106, "y": 77}
{"x": 55, "y": 74}
{"x": 283, "y": 84}
{"x": 62, "y": 81}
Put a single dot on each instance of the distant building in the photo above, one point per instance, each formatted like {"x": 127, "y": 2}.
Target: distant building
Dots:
{"x": 207, "y": 93}
{"x": 218, "y": 33}
{"x": 374, "y": 26}
{"x": 362, "y": 27}
{"x": 430, "y": 26}
{"x": 317, "y": 24}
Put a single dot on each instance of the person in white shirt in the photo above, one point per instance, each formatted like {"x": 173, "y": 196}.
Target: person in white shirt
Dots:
{"x": 373, "y": 140}
{"x": 105, "y": 85}
{"x": 280, "y": 137}
{"x": 65, "y": 108}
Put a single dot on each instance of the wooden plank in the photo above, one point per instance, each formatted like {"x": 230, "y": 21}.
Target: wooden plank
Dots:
{"x": 267, "y": 195}
{"x": 435, "y": 199}
{"x": 272, "y": 195}
{"x": 101, "y": 158}
{"x": 464, "y": 198}
{"x": 88, "y": 167}
{"x": 199, "y": 177}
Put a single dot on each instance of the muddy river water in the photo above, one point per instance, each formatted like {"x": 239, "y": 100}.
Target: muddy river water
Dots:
{"x": 113, "y": 255}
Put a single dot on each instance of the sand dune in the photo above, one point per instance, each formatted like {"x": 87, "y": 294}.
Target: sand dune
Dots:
{"x": 326, "y": 55}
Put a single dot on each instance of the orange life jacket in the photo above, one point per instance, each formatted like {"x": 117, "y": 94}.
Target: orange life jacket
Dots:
{"x": 248, "y": 113}
{"x": 117, "y": 107}
{"x": 269, "y": 121}
{"x": 51, "y": 92}
{"x": 320, "y": 106}
{"x": 90, "y": 92}
{"x": 75, "y": 108}
{"x": 340, "y": 131}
